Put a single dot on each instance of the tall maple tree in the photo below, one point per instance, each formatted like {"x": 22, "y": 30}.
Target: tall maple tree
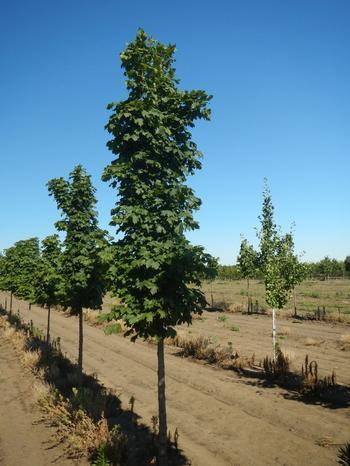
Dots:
{"x": 154, "y": 262}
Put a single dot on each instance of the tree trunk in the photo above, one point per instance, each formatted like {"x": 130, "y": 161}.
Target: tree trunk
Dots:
{"x": 211, "y": 292}
{"x": 274, "y": 334}
{"x": 248, "y": 294}
{"x": 162, "y": 454}
{"x": 295, "y": 304}
{"x": 5, "y": 304}
{"x": 81, "y": 340}
{"x": 48, "y": 325}
{"x": 29, "y": 306}
{"x": 11, "y": 302}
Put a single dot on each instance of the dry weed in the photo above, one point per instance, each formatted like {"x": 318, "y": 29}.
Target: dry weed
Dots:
{"x": 278, "y": 367}
{"x": 290, "y": 354}
{"x": 81, "y": 435}
{"x": 30, "y": 359}
{"x": 313, "y": 342}
{"x": 285, "y": 331}
{"x": 91, "y": 318}
{"x": 234, "y": 308}
{"x": 344, "y": 340}
{"x": 311, "y": 382}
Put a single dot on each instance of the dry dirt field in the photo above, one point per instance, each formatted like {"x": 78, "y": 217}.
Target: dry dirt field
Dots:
{"x": 24, "y": 441}
{"x": 223, "y": 419}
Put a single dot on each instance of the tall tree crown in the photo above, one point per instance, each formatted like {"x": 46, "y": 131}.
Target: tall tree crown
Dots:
{"x": 81, "y": 265}
{"x": 154, "y": 155}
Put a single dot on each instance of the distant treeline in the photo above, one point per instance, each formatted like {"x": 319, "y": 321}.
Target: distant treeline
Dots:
{"x": 323, "y": 270}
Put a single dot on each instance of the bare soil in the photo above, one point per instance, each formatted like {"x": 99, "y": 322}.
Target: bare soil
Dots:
{"x": 24, "y": 440}
{"x": 223, "y": 419}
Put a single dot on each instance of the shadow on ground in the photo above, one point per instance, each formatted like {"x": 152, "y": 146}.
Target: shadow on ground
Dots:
{"x": 96, "y": 400}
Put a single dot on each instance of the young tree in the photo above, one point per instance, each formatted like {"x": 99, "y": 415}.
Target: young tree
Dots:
{"x": 278, "y": 262}
{"x": 247, "y": 261}
{"x": 154, "y": 262}
{"x": 81, "y": 265}
{"x": 20, "y": 263}
{"x": 48, "y": 280}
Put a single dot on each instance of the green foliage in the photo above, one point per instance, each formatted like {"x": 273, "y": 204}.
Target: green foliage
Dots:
{"x": 81, "y": 264}
{"x": 278, "y": 262}
{"x": 229, "y": 272}
{"x": 154, "y": 264}
{"x": 247, "y": 260}
{"x": 222, "y": 318}
{"x": 47, "y": 280}
{"x": 101, "y": 458}
{"x": 347, "y": 264}
{"x": 268, "y": 232}
{"x": 211, "y": 271}
{"x": 113, "y": 328}
{"x": 18, "y": 266}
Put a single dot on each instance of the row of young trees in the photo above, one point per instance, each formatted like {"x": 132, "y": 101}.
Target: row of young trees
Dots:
{"x": 152, "y": 268}
{"x": 72, "y": 273}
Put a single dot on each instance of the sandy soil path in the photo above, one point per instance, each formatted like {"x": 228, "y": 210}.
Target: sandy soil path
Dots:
{"x": 23, "y": 440}
{"x": 223, "y": 420}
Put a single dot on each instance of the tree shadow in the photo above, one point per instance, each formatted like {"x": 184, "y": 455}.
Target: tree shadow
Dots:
{"x": 333, "y": 397}
{"x": 95, "y": 399}
{"x": 324, "y": 392}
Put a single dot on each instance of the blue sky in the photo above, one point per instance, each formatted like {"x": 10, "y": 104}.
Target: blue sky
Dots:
{"x": 279, "y": 73}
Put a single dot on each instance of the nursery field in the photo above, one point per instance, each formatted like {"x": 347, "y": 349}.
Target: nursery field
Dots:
{"x": 334, "y": 294}
{"x": 224, "y": 418}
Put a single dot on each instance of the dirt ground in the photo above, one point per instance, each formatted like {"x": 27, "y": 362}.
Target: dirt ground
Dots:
{"x": 223, "y": 419}
{"x": 24, "y": 440}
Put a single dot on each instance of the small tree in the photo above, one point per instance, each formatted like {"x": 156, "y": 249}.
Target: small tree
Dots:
{"x": 81, "y": 264}
{"x": 278, "y": 262}
{"x": 155, "y": 264}
{"x": 19, "y": 265}
{"x": 48, "y": 280}
{"x": 247, "y": 261}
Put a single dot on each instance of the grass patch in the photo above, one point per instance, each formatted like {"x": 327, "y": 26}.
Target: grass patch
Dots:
{"x": 222, "y": 318}
{"x": 234, "y": 328}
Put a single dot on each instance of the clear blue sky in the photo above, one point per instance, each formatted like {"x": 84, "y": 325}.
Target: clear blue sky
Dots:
{"x": 279, "y": 72}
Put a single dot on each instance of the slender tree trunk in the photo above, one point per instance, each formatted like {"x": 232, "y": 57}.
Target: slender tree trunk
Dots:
{"x": 162, "y": 456}
{"x": 81, "y": 341}
{"x": 48, "y": 325}
{"x": 5, "y": 304}
{"x": 274, "y": 334}
{"x": 211, "y": 292}
{"x": 29, "y": 306}
{"x": 248, "y": 295}
{"x": 11, "y": 301}
{"x": 295, "y": 303}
